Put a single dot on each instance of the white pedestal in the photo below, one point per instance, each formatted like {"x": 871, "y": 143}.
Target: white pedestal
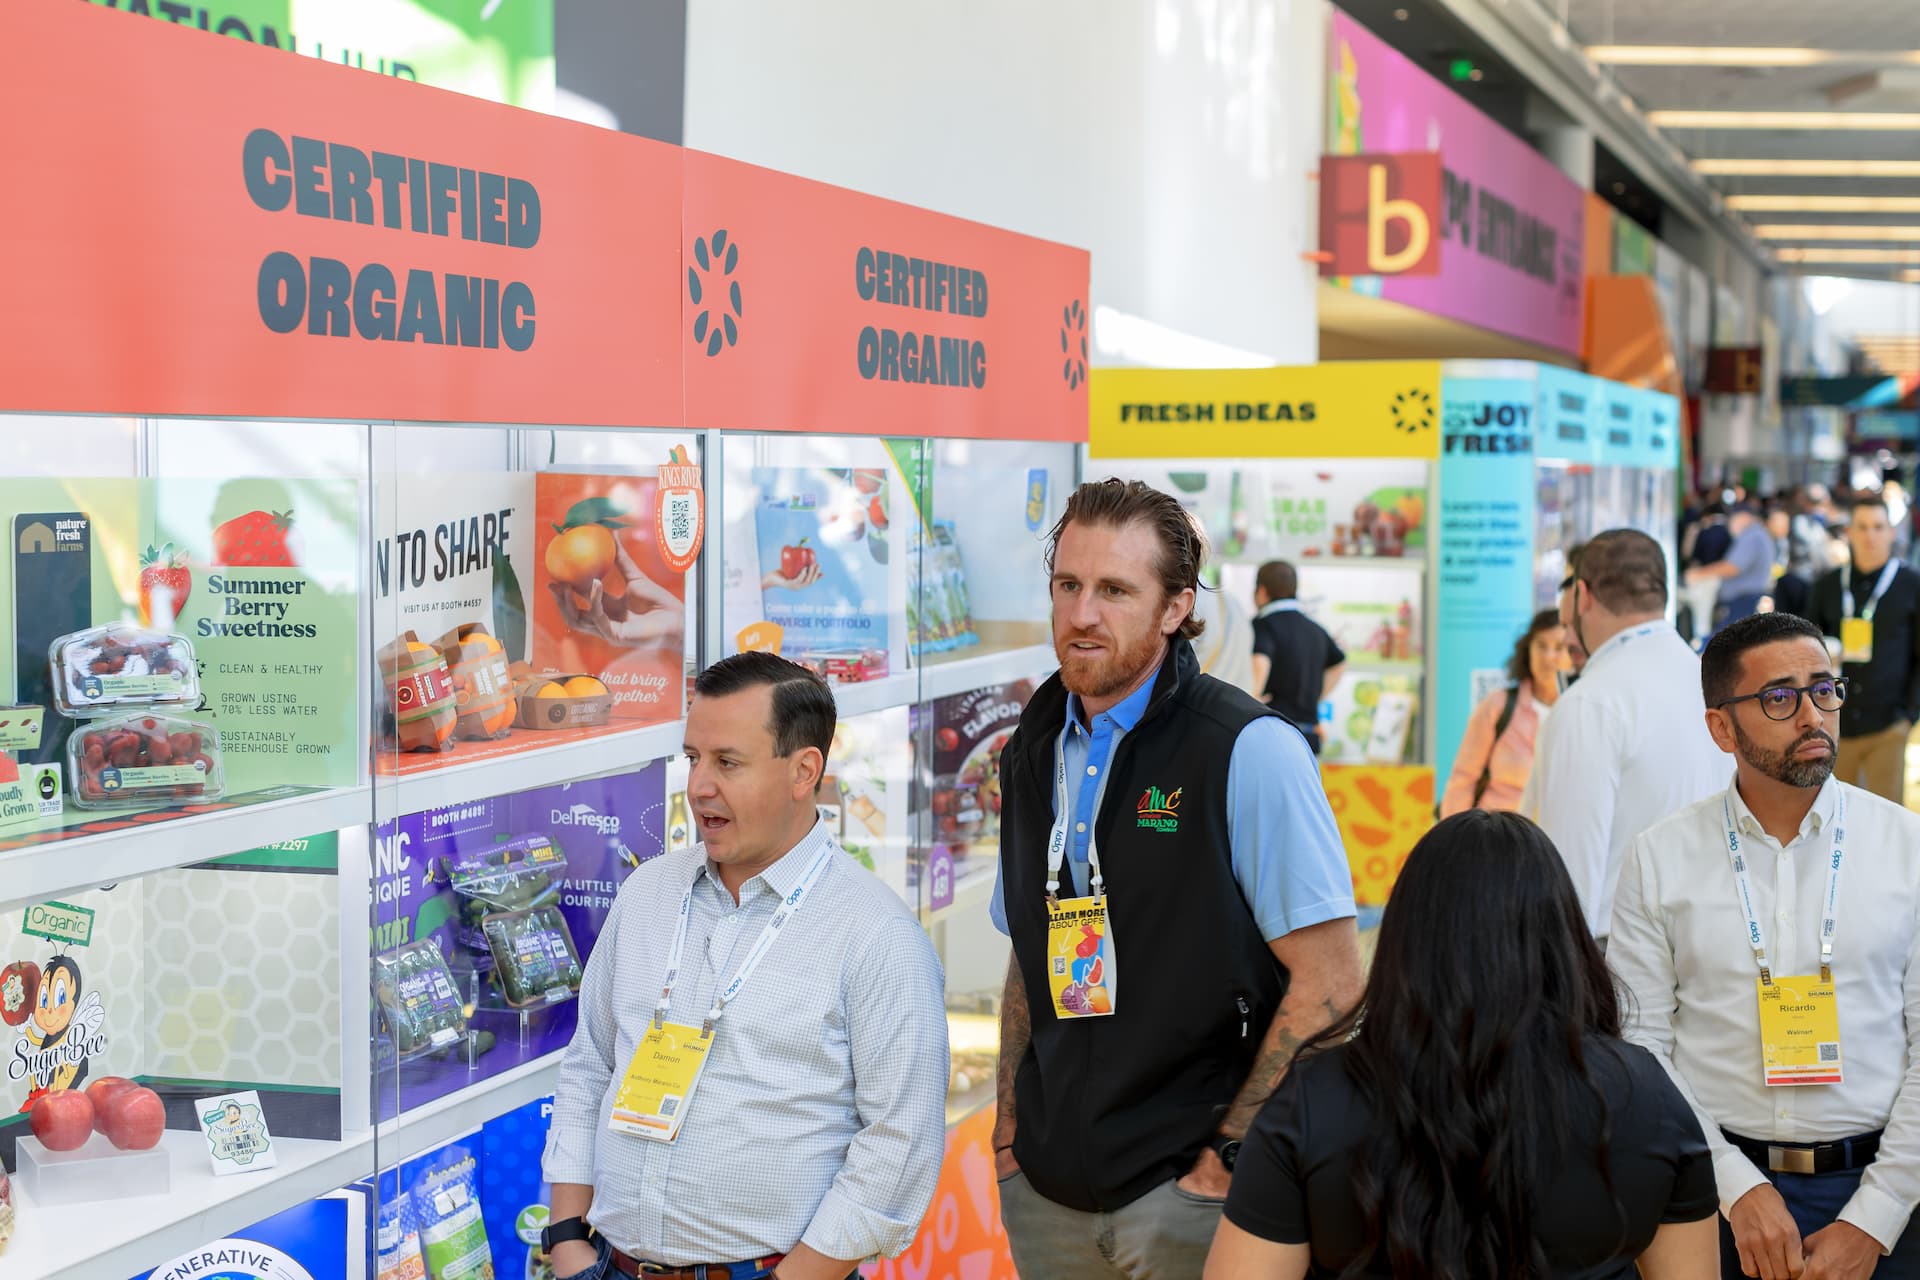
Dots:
{"x": 97, "y": 1171}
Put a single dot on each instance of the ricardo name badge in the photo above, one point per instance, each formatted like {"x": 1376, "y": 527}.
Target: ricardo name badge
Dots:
{"x": 1800, "y": 1031}
{"x": 1856, "y": 640}
{"x": 658, "y": 1085}
{"x": 1079, "y": 953}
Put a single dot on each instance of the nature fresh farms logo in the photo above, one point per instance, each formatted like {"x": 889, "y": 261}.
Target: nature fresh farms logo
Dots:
{"x": 1073, "y": 344}
{"x": 1159, "y": 811}
{"x": 1413, "y": 411}
{"x": 712, "y": 288}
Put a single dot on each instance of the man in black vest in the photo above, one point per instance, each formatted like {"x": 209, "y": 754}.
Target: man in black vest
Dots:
{"x": 1180, "y": 906}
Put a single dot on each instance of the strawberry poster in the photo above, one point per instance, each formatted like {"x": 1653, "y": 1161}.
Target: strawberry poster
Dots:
{"x": 262, "y": 576}
{"x": 606, "y": 602}
{"x": 823, "y": 539}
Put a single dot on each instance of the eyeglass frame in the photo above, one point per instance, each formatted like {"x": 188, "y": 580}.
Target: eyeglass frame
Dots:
{"x": 1801, "y": 693}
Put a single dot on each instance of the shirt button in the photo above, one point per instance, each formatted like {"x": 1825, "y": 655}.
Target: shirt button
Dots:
{"x": 1093, "y": 770}
{"x": 1079, "y": 826}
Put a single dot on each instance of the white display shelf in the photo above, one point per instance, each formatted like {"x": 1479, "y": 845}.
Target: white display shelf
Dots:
{"x": 1388, "y": 666}
{"x": 114, "y": 1239}
{"x": 942, "y": 679}
{"x": 38, "y": 872}
{"x": 1413, "y": 563}
{"x": 524, "y": 770}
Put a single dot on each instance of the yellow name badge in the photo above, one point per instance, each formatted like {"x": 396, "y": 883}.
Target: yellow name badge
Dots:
{"x": 1079, "y": 957}
{"x": 658, "y": 1086}
{"x": 1800, "y": 1031}
{"x": 1856, "y": 640}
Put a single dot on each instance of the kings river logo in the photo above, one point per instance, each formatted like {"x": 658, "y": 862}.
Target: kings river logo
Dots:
{"x": 712, "y": 288}
{"x": 1160, "y": 811}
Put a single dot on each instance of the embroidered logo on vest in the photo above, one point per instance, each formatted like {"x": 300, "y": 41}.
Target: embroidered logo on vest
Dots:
{"x": 1158, "y": 810}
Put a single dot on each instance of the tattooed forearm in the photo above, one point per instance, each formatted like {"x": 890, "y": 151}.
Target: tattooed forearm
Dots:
{"x": 1016, "y": 1033}
{"x": 1300, "y": 1019}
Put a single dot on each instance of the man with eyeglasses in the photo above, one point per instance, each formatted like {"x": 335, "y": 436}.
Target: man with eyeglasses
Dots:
{"x": 1766, "y": 936}
{"x": 1625, "y": 746}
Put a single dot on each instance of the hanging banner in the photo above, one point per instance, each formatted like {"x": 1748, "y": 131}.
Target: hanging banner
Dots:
{"x": 1511, "y": 242}
{"x": 293, "y": 238}
{"x": 1361, "y": 409}
{"x": 808, "y": 307}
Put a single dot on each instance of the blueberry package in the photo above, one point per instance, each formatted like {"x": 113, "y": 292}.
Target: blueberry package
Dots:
{"x": 453, "y": 1231}
{"x": 535, "y": 961}
{"x": 418, "y": 998}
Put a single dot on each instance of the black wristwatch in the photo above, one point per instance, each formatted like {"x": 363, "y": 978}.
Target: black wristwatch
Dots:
{"x": 564, "y": 1232}
{"x": 1228, "y": 1149}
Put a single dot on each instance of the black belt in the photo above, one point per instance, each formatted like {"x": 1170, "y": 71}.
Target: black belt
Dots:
{"x": 1809, "y": 1157}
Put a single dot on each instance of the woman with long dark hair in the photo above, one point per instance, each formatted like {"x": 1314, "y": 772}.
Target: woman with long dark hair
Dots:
{"x": 1477, "y": 1117}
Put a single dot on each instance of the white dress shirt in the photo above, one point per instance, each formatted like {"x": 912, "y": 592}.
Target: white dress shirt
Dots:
{"x": 1626, "y": 746}
{"x": 1680, "y": 946}
{"x": 821, "y": 1115}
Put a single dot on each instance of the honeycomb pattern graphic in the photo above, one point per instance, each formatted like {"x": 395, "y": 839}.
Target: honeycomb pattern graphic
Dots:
{"x": 114, "y": 964}
{"x": 241, "y": 970}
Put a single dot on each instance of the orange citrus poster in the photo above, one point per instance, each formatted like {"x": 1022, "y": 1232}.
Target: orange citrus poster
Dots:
{"x": 961, "y": 1238}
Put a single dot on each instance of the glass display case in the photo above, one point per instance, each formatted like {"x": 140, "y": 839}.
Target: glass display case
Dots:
{"x": 356, "y": 574}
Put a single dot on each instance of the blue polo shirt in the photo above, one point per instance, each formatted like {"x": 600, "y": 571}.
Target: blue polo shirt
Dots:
{"x": 1287, "y": 854}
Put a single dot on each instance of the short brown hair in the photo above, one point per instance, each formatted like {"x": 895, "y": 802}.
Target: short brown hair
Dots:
{"x": 1114, "y": 503}
{"x": 1625, "y": 570}
{"x": 1280, "y": 580}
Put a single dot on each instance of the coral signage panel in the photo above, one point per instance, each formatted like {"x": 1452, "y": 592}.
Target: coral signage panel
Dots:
{"x": 809, "y": 307}
{"x": 212, "y": 227}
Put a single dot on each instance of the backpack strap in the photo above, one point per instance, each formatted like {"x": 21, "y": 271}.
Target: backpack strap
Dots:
{"x": 1499, "y": 727}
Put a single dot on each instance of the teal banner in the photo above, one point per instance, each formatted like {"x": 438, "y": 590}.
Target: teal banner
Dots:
{"x": 1486, "y": 528}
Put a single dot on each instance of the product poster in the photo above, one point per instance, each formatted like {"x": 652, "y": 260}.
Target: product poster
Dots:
{"x": 433, "y": 882}
{"x": 824, "y": 541}
{"x": 455, "y": 548}
{"x": 962, "y": 1237}
{"x": 1485, "y": 563}
{"x": 1382, "y": 811}
{"x": 323, "y": 1239}
{"x": 1370, "y": 717}
{"x": 969, "y": 731}
{"x": 259, "y": 577}
{"x": 1299, "y": 509}
{"x": 604, "y": 601}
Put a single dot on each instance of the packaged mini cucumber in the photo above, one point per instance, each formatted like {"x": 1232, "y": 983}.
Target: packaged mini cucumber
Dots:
{"x": 514, "y": 875}
{"x": 453, "y": 1232}
{"x": 535, "y": 961}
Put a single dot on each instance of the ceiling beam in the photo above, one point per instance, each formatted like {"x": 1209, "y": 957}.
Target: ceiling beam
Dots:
{"x": 1670, "y": 55}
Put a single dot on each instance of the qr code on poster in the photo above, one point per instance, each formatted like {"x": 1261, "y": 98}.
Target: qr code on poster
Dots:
{"x": 1829, "y": 1051}
{"x": 669, "y": 1106}
{"x": 1059, "y": 965}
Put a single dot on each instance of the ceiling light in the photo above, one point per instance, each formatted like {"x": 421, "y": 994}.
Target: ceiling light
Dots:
{"x": 1825, "y": 204}
{"x": 1827, "y": 231}
{"x": 1894, "y": 257}
{"x": 1808, "y": 168}
{"x": 1875, "y": 121}
{"x": 1679, "y": 55}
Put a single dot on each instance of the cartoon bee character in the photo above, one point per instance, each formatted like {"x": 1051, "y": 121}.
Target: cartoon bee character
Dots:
{"x": 61, "y": 1016}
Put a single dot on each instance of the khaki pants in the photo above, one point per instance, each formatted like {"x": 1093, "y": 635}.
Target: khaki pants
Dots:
{"x": 1164, "y": 1235}
{"x": 1876, "y": 761}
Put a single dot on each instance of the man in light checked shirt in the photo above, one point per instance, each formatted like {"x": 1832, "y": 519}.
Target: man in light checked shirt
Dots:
{"x": 815, "y": 1135}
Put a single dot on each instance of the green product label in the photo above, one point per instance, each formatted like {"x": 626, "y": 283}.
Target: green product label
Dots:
{"x": 121, "y": 688}
{"x": 164, "y": 775}
{"x": 20, "y": 727}
{"x": 59, "y": 922}
{"x": 456, "y": 1248}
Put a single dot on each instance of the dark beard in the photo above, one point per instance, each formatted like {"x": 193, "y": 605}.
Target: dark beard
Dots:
{"x": 1781, "y": 766}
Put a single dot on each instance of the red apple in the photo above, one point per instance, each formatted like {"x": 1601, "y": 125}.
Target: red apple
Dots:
{"x": 796, "y": 560}
{"x": 63, "y": 1121}
{"x": 100, "y": 1091}
{"x": 135, "y": 1119}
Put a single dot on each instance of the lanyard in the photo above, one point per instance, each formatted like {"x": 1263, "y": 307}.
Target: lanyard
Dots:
{"x": 1626, "y": 638}
{"x": 1887, "y": 576}
{"x": 1057, "y": 842}
{"x": 1830, "y": 902}
{"x": 760, "y": 948}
